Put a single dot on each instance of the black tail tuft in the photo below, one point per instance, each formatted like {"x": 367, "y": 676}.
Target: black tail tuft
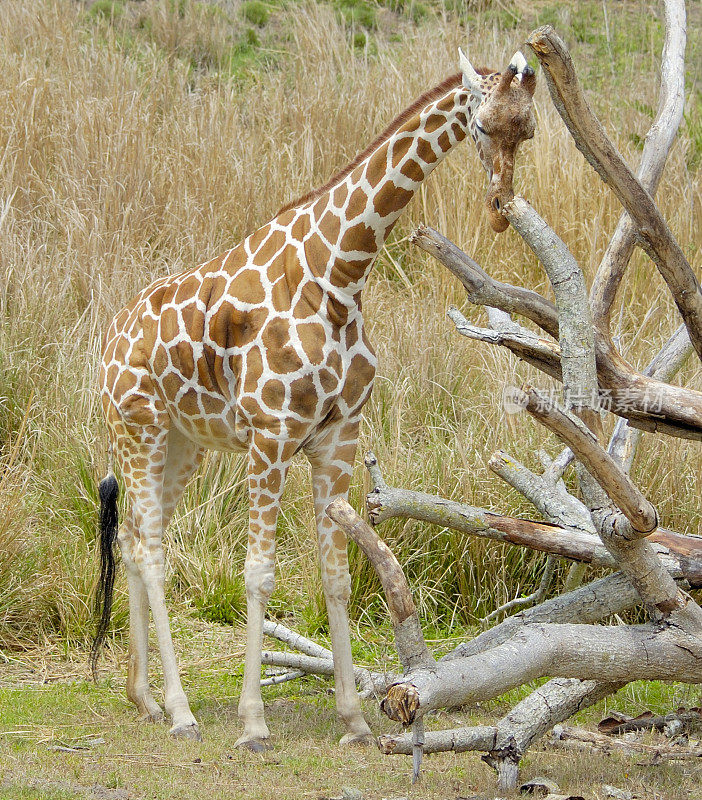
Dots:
{"x": 109, "y": 492}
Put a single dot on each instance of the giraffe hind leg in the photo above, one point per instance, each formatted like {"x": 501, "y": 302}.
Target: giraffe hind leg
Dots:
{"x": 155, "y": 466}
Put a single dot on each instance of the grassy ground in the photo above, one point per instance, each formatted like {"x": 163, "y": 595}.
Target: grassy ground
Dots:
{"x": 47, "y": 704}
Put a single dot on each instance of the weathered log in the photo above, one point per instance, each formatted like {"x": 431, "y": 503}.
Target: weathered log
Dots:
{"x": 588, "y": 652}
{"x": 578, "y": 738}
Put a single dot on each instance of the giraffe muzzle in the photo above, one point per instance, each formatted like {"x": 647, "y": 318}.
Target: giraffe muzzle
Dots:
{"x": 495, "y": 201}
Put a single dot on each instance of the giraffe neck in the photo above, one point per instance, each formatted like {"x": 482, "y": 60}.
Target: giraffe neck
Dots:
{"x": 353, "y": 218}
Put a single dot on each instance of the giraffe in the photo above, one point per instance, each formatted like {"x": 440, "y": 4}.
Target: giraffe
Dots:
{"x": 263, "y": 350}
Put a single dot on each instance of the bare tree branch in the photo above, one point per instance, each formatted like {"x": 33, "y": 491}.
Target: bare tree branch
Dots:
{"x": 484, "y": 290}
{"x": 594, "y": 144}
{"x": 657, "y": 145}
{"x": 619, "y": 487}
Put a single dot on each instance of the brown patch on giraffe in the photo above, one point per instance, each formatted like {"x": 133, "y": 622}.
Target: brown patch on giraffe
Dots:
{"x": 399, "y": 150}
{"x": 257, "y": 464}
{"x": 374, "y": 170}
{"x": 317, "y": 256}
{"x": 194, "y": 321}
{"x": 425, "y": 151}
{"x": 411, "y": 169}
{"x": 281, "y": 294}
{"x": 458, "y": 132}
{"x": 168, "y": 324}
{"x": 444, "y": 142}
{"x": 231, "y": 327}
{"x": 273, "y": 394}
{"x": 328, "y": 380}
{"x": 273, "y": 244}
{"x": 214, "y": 288}
{"x": 256, "y": 238}
{"x": 309, "y": 302}
{"x": 127, "y": 381}
{"x": 351, "y": 334}
{"x": 434, "y": 122}
{"x": 206, "y": 369}
{"x": 320, "y": 207}
{"x": 235, "y": 259}
{"x": 276, "y": 269}
{"x": 359, "y": 237}
{"x": 462, "y": 118}
{"x": 183, "y": 359}
{"x": 160, "y": 360}
{"x": 303, "y": 396}
{"x": 215, "y": 405}
{"x": 391, "y": 199}
{"x": 254, "y": 369}
{"x": 312, "y": 337}
{"x": 357, "y": 203}
{"x": 137, "y": 409}
{"x": 339, "y": 195}
{"x": 300, "y": 228}
{"x": 337, "y": 314}
{"x": 330, "y": 225}
{"x": 171, "y": 383}
{"x": 259, "y": 419}
{"x": 339, "y": 539}
{"x": 274, "y": 481}
{"x": 285, "y": 218}
{"x": 186, "y": 290}
{"x": 447, "y": 104}
{"x": 247, "y": 287}
{"x": 345, "y": 273}
{"x": 113, "y": 373}
{"x": 281, "y": 356}
{"x": 188, "y": 404}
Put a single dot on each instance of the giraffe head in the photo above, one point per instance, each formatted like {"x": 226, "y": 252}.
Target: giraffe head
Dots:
{"x": 502, "y": 119}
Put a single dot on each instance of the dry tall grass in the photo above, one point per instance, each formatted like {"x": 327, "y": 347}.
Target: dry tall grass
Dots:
{"x": 120, "y": 161}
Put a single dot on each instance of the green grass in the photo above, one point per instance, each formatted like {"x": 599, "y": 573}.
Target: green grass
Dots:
{"x": 256, "y": 12}
{"x": 140, "y": 758}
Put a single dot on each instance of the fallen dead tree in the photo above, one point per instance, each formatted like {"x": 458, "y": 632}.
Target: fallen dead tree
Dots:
{"x": 611, "y": 524}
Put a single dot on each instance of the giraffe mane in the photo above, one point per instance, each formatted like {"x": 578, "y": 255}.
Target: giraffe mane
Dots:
{"x": 422, "y": 101}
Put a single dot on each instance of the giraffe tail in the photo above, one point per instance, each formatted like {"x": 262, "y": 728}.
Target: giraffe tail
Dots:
{"x": 109, "y": 492}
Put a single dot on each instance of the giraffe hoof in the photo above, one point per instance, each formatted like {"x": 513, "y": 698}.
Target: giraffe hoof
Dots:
{"x": 357, "y": 740}
{"x": 187, "y": 732}
{"x": 151, "y": 716}
{"x": 255, "y": 745}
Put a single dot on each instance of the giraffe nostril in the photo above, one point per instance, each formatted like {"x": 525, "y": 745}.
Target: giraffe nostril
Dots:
{"x": 496, "y": 203}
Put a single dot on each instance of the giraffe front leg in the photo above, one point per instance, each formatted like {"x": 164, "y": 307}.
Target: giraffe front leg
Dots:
{"x": 267, "y": 472}
{"x": 332, "y": 465}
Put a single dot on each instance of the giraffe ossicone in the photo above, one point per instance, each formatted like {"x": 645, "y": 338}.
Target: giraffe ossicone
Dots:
{"x": 263, "y": 350}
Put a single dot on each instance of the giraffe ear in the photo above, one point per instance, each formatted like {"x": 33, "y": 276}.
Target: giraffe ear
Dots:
{"x": 471, "y": 79}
